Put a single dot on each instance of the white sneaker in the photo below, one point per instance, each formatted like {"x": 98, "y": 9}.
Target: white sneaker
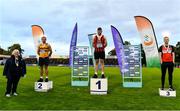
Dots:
{"x": 170, "y": 89}
{"x": 15, "y": 94}
{"x": 8, "y": 95}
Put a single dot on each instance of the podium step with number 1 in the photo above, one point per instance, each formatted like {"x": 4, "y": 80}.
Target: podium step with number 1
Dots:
{"x": 98, "y": 86}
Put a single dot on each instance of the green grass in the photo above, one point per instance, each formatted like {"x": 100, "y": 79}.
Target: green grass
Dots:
{"x": 64, "y": 96}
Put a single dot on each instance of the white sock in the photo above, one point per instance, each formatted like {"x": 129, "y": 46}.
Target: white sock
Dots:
{"x": 102, "y": 73}
{"x": 41, "y": 77}
{"x": 47, "y": 77}
{"x": 96, "y": 73}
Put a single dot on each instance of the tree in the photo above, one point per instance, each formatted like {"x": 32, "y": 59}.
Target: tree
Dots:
{"x": 15, "y": 46}
{"x": 4, "y": 52}
{"x": 127, "y": 43}
{"x": 177, "y": 52}
{"x": 1, "y": 50}
{"x": 113, "y": 51}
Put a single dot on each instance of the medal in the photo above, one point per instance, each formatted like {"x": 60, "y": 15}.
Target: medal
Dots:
{"x": 16, "y": 62}
{"x": 167, "y": 49}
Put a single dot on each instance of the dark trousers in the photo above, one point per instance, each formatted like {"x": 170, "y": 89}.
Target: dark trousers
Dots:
{"x": 164, "y": 67}
{"x": 12, "y": 83}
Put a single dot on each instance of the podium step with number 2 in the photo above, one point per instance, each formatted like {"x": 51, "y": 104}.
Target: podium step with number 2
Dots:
{"x": 43, "y": 86}
{"x": 98, "y": 86}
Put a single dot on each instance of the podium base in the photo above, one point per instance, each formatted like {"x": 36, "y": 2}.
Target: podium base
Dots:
{"x": 98, "y": 93}
{"x": 167, "y": 93}
{"x": 43, "y": 86}
{"x": 98, "y": 86}
{"x": 133, "y": 84}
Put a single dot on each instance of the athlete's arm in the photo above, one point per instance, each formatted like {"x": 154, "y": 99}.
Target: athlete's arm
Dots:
{"x": 160, "y": 54}
{"x": 173, "y": 53}
{"x": 105, "y": 42}
{"x": 94, "y": 42}
{"x": 173, "y": 57}
{"x": 50, "y": 51}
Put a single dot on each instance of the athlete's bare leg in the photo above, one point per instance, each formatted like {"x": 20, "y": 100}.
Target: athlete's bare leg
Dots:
{"x": 46, "y": 71}
{"x": 41, "y": 71}
{"x": 102, "y": 65}
{"x": 96, "y": 66}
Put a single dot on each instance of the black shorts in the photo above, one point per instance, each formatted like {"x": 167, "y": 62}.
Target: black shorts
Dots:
{"x": 99, "y": 55}
{"x": 43, "y": 61}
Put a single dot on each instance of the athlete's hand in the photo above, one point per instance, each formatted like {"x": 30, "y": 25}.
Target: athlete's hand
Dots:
{"x": 104, "y": 45}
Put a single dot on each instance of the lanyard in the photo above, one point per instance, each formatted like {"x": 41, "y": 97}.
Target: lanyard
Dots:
{"x": 167, "y": 47}
{"x": 99, "y": 37}
{"x": 16, "y": 62}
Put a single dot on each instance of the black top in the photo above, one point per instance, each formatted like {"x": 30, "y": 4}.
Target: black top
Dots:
{"x": 14, "y": 67}
{"x": 170, "y": 46}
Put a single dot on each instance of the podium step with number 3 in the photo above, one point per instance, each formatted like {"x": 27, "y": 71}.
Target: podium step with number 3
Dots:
{"x": 167, "y": 93}
{"x": 98, "y": 86}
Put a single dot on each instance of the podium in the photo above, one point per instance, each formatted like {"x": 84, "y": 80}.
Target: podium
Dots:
{"x": 167, "y": 93}
{"x": 98, "y": 86}
{"x": 43, "y": 86}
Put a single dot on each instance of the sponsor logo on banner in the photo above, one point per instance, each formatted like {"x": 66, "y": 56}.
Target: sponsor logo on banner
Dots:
{"x": 148, "y": 40}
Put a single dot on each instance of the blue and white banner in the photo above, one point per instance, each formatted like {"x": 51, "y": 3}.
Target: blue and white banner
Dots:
{"x": 72, "y": 44}
{"x": 118, "y": 43}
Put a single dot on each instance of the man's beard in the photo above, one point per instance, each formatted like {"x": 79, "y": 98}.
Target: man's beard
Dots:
{"x": 99, "y": 33}
{"x": 166, "y": 43}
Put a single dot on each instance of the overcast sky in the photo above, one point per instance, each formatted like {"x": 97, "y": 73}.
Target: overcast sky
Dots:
{"x": 58, "y": 17}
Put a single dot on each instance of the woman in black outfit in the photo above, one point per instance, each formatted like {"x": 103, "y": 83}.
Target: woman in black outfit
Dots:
{"x": 14, "y": 69}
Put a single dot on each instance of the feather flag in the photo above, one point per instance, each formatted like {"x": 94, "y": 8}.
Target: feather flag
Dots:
{"x": 72, "y": 44}
{"x": 37, "y": 32}
{"x": 148, "y": 39}
{"x": 119, "y": 46}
